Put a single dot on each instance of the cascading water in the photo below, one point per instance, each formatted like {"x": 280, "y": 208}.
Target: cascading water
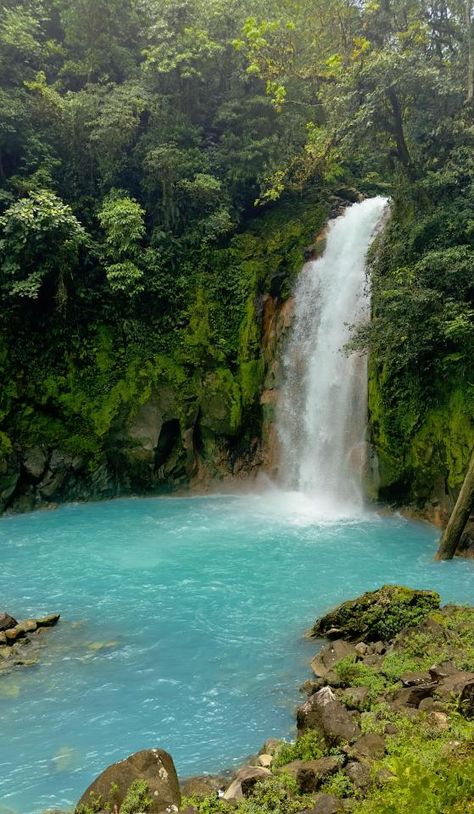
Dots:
{"x": 323, "y": 407}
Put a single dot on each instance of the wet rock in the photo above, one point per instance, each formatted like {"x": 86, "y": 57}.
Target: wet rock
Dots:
{"x": 34, "y": 461}
{"x": 48, "y": 621}
{"x": 371, "y": 746}
{"x": 9, "y": 477}
{"x": 270, "y": 746}
{"x": 377, "y": 615}
{"x": 244, "y": 782}
{"x": 154, "y": 766}
{"x": 325, "y": 713}
{"x": 311, "y": 774}
{"x": 29, "y": 625}
{"x": 330, "y": 655}
{"x": 7, "y": 621}
{"x": 14, "y": 633}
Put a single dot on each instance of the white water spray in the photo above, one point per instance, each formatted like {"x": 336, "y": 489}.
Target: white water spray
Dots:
{"x": 323, "y": 408}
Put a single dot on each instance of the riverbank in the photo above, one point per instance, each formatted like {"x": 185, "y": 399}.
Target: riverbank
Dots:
{"x": 387, "y": 725}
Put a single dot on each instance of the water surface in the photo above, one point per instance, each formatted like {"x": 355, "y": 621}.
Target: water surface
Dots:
{"x": 182, "y": 623}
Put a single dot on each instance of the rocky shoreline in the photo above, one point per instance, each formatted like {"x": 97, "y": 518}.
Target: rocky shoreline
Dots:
{"x": 387, "y": 726}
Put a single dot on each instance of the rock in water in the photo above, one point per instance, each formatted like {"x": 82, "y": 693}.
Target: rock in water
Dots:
{"x": 154, "y": 766}
{"x": 377, "y": 614}
{"x": 7, "y": 621}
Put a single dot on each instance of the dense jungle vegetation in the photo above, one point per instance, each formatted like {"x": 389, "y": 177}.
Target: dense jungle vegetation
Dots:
{"x": 162, "y": 165}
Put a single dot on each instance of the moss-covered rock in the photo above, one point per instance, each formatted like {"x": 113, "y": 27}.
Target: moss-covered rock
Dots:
{"x": 377, "y": 614}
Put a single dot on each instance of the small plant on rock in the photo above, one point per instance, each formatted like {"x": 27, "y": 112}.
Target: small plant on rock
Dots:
{"x": 306, "y": 747}
{"x": 137, "y": 799}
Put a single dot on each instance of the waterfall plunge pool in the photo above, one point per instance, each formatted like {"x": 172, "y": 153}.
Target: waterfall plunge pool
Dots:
{"x": 182, "y": 625}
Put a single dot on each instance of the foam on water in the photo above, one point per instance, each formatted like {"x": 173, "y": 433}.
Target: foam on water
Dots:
{"x": 182, "y": 623}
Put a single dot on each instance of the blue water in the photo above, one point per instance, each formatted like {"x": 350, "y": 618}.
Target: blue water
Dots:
{"x": 182, "y": 623}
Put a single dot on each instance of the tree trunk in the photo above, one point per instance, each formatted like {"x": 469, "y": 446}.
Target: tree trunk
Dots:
{"x": 459, "y": 517}
{"x": 402, "y": 148}
{"x": 470, "y": 52}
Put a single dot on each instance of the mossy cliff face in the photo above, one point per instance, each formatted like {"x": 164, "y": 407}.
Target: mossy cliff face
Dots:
{"x": 97, "y": 416}
{"x": 421, "y": 341}
{"x": 424, "y": 469}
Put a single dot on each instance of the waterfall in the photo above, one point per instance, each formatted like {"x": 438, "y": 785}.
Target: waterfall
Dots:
{"x": 322, "y": 415}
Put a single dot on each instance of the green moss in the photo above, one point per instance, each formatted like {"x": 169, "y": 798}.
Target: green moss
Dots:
{"x": 379, "y": 614}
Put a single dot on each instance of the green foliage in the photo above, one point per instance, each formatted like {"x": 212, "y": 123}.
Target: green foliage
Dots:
{"x": 339, "y": 785}
{"x": 40, "y": 244}
{"x": 122, "y": 220}
{"x": 356, "y": 674}
{"x": 307, "y": 747}
{"x": 275, "y": 795}
{"x": 137, "y": 798}
{"x": 428, "y": 772}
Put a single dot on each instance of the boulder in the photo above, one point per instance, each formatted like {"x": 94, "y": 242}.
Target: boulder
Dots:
{"x": 466, "y": 700}
{"x": 359, "y": 774}
{"x": 34, "y": 461}
{"x": 3, "y": 638}
{"x": 326, "y": 804}
{"x": 325, "y": 713}
{"x": 330, "y": 655}
{"x": 14, "y": 633}
{"x": 203, "y": 785}
{"x": 377, "y": 615}
{"x": 9, "y": 476}
{"x": 265, "y": 760}
{"x": 453, "y": 685}
{"x": 48, "y": 621}
{"x": 29, "y": 625}
{"x": 355, "y": 698}
{"x": 7, "y": 621}
{"x": 270, "y": 746}
{"x": 443, "y": 670}
{"x": 155, "y": 766}
{"x": 245, "y": 780}
{"x": 311, "y": 774}
{"x": 370, "y": 746}
{"x": 412, "y": 696}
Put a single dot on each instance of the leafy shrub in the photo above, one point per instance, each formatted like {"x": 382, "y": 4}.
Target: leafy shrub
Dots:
{"x": 307, "y": 747}
{"x": 339, "y": 785}
{"x": 137, "y": 798}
